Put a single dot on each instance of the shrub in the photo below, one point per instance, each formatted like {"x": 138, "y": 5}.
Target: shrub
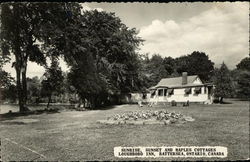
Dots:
{"x": 173, "y": 103}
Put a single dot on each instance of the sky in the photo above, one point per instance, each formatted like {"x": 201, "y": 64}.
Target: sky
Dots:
{"x": 220, "y": 29}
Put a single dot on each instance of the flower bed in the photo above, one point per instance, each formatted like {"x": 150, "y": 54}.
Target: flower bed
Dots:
{"x": 147, "y": 117}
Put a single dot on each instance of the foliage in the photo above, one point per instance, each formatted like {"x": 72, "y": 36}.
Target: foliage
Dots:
{"x": 223, "y": 82}
{"x": 87, "y": 82}
{"x": 25, "y": 33}
{"x": 10, "y": 93}
{"x": 244, "y": 84}
{"x": 156, "y": 68}
{"x": 243, "y": 78}
{"x": 169, "y": 65}
{"x": 33, "y": 89}
{"x": 53, "y": 81}
{"x": 7, "y": 87}
{"x": 5, "y": 78}
{"x": 113, "y": 47}
{"x": 197, "y": 63}
{"x": 244, "y": 64}
{"x": 104, "y": 61}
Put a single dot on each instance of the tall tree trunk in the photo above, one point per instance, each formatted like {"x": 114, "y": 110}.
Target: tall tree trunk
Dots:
{"x": 18, "y": 68}
{"x": 19, "y": 90}
{"x": 21, "y": 87}
{"x": 24, "y": 83}
{"x": 20, "y": 61}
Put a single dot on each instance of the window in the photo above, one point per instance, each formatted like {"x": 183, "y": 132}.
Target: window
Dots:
{"x": 205, "y": 90}
{"x": 197, "y": 90}
{"x": 160, "y": 92}
{"x": 188, "y": 91}
{"x": 165, "y": 92}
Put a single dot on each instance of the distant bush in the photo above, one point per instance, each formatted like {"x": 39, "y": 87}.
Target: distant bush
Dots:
{"x": 173, "y": 103}
{"x": 216, "y": 100}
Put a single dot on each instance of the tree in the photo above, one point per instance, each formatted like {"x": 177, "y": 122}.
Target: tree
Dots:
{"x": 33, "y": 89}
{"x": 243, "y": 78}
{"x": 10, "y": 93}
{"x": 197, "y": 63}
{"x": 244, "y": 84}
{"x": 87, "y": 82}
{"x": 105, "y": 63}
{"x": 113, "y": 47}
{"x": 52, "y": 84}
{"x": 23, "y": 25}
{"x": 157, "y": 68}
{"x": 223, "y": 82}
{"x": 143, "y": 81}
{"x": 6, "y": 80}
{"x": 5, "y": 77}
{"x": 7, "y": 87}
{"x": 244, "y": 64}
{"x": 169, "y": 64}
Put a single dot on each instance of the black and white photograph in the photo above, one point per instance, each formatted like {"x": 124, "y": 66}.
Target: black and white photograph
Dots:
{"x": 134, "y": 81}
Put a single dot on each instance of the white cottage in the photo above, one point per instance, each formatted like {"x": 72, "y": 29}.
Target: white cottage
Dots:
{"x": 182, "y": 89}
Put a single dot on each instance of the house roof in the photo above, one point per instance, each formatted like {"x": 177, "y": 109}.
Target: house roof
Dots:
{"x": 176, "y": 82}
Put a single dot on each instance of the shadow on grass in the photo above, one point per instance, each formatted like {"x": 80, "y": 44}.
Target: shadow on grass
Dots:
{"x": 226, "y": 102}
{"x": 222, "y": 103}
{"x": 13, "y": 115}
{"x": 109, "y": 107}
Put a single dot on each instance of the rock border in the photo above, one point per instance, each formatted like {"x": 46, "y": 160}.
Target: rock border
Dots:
{"x": 148, "y": 117}
{"x": 146, "y": 122}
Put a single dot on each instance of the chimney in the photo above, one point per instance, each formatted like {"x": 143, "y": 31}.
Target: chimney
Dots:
{"x": 184, "y": 78}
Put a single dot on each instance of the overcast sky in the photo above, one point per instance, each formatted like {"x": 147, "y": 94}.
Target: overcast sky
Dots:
{"x": 220, "y": 29}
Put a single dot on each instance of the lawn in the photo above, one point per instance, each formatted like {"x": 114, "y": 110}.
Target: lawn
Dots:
{"x": 76, "y": 135}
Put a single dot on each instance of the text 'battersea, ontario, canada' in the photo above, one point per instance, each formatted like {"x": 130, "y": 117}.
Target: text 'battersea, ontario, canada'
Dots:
{"x": 190, "y": 151}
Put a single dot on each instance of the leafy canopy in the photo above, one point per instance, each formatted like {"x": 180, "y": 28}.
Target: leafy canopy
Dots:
{"x": 104, "y": 59}
{"x": 243, "y": 78}
{"x": 223, "y": 82}
{"x": 53, "y": 80}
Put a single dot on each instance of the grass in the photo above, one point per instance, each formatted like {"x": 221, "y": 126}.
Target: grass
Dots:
{"x": 75, "y": 135}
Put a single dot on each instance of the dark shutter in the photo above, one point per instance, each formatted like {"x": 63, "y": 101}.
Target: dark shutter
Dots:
{"x": 170, "y": 90}
{"x": 187, "y": 90}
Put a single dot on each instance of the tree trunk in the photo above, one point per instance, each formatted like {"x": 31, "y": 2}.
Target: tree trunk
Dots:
{"x": 49, "y": 101}
{"x": 24, "y": 83}
{"x": 221, "y": 100}
{"x": 20, "y": 61}
{"x": 84, "y": 103}
{"x": 19, "y": 90}
{"x": 93, "y": 102}
{"x": 90, "y": 102}
{"x": 21, "y": 100}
